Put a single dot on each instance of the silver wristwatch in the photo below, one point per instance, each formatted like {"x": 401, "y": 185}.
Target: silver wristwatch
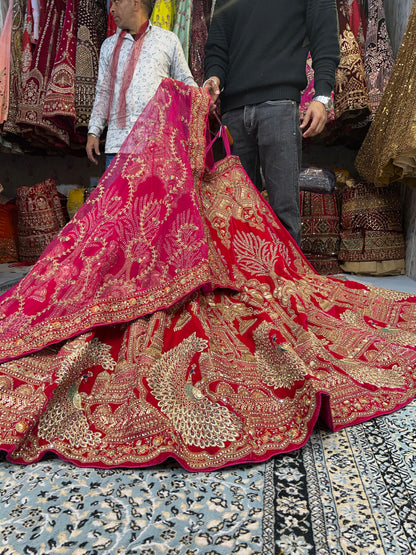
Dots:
{"x": 325, "y": 100}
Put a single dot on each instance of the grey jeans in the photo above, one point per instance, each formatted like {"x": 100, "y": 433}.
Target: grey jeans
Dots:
{"x": 268, "y": 141}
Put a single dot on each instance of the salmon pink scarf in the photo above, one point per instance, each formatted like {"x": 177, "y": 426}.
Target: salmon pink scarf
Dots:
{"x": 128, "y": 71}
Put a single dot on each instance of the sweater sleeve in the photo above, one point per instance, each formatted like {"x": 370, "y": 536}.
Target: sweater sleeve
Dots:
{"x": 323, "y": 33}
{"x": 216, "y": 46}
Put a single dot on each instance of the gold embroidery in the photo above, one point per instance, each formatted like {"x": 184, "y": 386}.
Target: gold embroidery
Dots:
{"x": 195, "y": 417}
{"x": 279, "y": 365}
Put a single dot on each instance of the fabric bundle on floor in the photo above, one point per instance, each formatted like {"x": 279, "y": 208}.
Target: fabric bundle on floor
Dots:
{"x": 174, "y": 316}
{"x": 320, "y": 219}
{"x": 40, "y": 218}
{"x": 372, "y": 238}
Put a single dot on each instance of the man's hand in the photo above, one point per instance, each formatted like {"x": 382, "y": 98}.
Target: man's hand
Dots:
{"x": 93, "y": 148}
{"x": 212, "y": 85}
{"x": 314, "y": 120}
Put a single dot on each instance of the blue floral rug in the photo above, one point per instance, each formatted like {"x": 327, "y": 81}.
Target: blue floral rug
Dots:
{"x": 353, "y": 492}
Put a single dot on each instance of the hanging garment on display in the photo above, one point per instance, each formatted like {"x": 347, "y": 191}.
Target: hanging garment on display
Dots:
{"x": 388, "y": 152}
{"x": 350, "y": 96}
{"x": 59, "y": 101}
{"x": 91, "y": 32}
{"x": 5, "y": 54}
{"x": 18, "y": 18}
{"x": 350, "y": 91}
{"x": 40, "y": 218}
{"x": 378, "y": 54}
{"x": 357, "y": 20}
{"x": 199, "y": 35}
{"x": 182, "y": 27}
{"x": 164, "y": 14}
{"x": 36, "y": 77}
{"x": 174, "y": 316}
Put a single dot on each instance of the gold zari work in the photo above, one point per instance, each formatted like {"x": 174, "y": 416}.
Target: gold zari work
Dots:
{"x": 210, "y": 340}
{"x": 388, "y": 152}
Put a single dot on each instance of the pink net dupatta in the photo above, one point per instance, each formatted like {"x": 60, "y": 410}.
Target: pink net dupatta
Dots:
{"x": 137, "y": 245}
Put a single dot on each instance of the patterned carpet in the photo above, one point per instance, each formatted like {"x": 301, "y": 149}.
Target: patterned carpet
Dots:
{"x": 353, "y": 492}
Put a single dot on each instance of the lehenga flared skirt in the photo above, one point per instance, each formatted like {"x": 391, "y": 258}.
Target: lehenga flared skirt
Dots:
{"x": 174, "y": 316}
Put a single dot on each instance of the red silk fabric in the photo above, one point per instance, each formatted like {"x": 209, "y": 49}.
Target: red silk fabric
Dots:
{"x": 175, "y": 317}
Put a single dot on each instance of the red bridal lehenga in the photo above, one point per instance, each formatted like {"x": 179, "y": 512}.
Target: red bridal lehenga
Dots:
{"x": 174, "y": 316}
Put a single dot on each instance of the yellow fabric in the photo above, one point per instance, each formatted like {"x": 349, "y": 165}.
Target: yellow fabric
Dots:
{"x": 164, "y": 14}
{"x": 75, "y": 200}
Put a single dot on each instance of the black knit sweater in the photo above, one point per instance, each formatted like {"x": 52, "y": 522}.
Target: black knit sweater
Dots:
{"x": 258, "y": 49}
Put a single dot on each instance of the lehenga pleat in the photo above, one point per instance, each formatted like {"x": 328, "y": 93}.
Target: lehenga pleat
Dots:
{"x": 174, "y": 316}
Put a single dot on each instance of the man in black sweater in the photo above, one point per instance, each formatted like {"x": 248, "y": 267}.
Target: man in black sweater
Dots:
{"x": 256, "y": 56}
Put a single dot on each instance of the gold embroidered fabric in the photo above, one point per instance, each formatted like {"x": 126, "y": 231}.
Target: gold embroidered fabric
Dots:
{"x": 91, "y": 32}
{"x": 351, "y": 97}
{"x": 164, "y": 14}
{"x": 18, "y": 13}
{"x": 112, "y": 358}
{"x": 372, "y": 238}
{"x": 388, "y": 152}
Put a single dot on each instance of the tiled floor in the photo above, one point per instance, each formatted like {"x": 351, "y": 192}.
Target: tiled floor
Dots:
{"x": 9, "y": 273}
{"x": 396, "y": 283}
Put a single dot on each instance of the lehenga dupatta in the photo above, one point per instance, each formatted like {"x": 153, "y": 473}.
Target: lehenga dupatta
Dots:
{"x": 174, "y": 316}
{"x": 131, "y": 249}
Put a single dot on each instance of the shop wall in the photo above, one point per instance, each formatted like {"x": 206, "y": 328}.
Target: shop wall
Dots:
{"x": 21, "y": 170}
{"x": 410, "y": 226}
